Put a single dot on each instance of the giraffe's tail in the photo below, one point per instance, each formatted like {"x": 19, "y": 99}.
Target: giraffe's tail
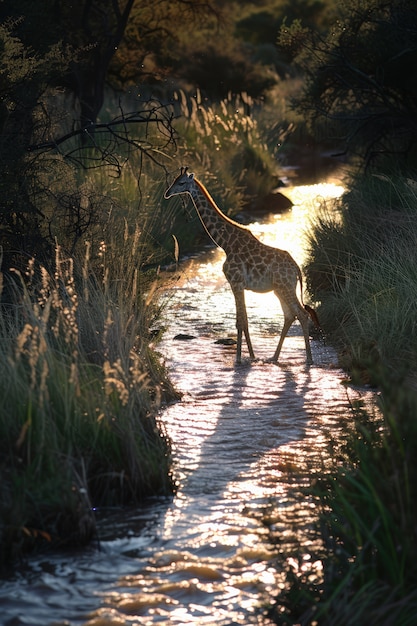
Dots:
{"x": 309, "y": 309}
{"x": 314, "y": 318}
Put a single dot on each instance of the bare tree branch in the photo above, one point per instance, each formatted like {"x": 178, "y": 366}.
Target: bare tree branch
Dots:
{"x": 111, "y": 143}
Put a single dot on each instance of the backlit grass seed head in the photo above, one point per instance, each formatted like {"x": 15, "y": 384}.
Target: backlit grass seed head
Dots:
{"x": 43, "y": 382}
{"x": 45, "y": 289}
{"x": 37, "y": 349}
{"x": 138, "y": 376}
{"x": 22, "y": 340}
{"x": 108, "y": 325}
{"x": 31, "y": 345}
{"x": 30, "y": 270}
{"x": 74, "y": 378}
{"x": 135, "y": 241}
{"x": 102, "y": 250}
{"x": 86, "y": 271}
{"x": 113, "y": 381}
{"x": 65, "y": 299}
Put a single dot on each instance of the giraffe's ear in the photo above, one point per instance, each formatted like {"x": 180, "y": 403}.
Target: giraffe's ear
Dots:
{"x": 191, "y": 176}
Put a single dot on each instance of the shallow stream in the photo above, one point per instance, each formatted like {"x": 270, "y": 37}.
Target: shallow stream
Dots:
{"x": 240, "y": 436}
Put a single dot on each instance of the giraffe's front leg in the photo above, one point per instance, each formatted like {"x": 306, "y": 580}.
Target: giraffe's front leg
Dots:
{"x": 242, "y": 325}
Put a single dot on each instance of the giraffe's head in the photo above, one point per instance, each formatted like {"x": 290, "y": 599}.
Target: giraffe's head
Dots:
{"x": 181, "y": 184}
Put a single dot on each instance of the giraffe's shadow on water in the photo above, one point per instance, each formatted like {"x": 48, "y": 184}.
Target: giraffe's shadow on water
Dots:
{"x": 251, "y": 421}
{"x": 246, "y": 413}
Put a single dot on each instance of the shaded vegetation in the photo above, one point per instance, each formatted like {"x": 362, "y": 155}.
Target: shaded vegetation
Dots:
{"x": 362, "y": 268}
{"x": 80, "y": 387}
{"x": 360, "y": 79}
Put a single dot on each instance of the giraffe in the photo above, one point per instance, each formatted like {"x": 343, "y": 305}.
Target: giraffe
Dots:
{"x": 249, "y": 264}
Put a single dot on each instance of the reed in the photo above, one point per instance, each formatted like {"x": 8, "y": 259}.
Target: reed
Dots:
{"x": 227, "y": 141}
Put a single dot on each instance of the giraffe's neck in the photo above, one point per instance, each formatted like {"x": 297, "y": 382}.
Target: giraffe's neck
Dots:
{"x": 220, "y": 228}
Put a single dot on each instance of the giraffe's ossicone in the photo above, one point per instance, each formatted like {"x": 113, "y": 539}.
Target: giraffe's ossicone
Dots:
{"x": 249, "y": 264}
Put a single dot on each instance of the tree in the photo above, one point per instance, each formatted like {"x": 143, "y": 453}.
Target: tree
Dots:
{"x": 361, "y": 78}
{"x": 154, "y": 34}
{"x": 54, "y": 64}
{"x": 38, "y": 160}
{"x": 24, "y": 76}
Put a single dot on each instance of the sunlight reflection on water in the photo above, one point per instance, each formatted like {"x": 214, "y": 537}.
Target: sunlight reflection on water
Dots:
{"x": 241, "y": 436}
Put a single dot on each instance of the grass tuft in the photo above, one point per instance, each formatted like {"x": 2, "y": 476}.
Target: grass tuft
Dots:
{"x": 367, "y": 526}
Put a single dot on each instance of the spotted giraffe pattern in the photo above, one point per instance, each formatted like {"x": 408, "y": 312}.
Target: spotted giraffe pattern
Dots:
{"x": 249, "y": 264}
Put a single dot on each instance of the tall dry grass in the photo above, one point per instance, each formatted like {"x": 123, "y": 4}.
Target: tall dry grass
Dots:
{"x": 80, "y": 387}
{"x": 225, "y": 143}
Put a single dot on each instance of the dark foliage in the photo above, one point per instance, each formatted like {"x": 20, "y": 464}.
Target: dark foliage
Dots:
{"x": 218, "y": 72}
{"x": 361, "y": 79}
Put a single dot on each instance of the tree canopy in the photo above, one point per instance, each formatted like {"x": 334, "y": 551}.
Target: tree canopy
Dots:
{"x": 361, "y": 78}
{"x": 357, "y": 62}
{"x": 55, "y": 59}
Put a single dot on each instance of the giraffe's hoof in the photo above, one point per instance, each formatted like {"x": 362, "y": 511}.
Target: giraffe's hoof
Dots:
{"x": 272, "y": 359}
{"x": 243, "y": 362}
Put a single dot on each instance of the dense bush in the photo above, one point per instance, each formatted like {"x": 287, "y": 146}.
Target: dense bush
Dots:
{"x": 360, "y": 79}
{"x": 218, "y": 72}
{"x": 80, "y": 388}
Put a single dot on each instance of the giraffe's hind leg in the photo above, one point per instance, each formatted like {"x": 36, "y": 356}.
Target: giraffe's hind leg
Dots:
{"x": 288, "y": 320}
{"x": 290, "y": 313}
{"x": 304, "y": 321}
{"x": 289, "y": 317}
